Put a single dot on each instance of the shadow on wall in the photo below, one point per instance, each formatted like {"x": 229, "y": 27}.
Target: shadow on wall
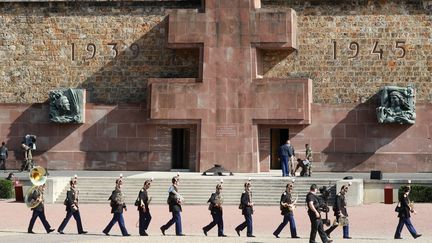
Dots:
{"x": 117, "y": 134}
{"x": 357, "y": 139}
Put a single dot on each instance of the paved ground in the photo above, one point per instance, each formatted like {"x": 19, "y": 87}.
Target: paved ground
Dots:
{"x": 369, "y": 223}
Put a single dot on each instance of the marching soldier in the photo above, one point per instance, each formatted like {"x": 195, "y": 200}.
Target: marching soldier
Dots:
{"x": 246, "y": 205}
{"x": 404, "y": 213}
{"x": 39, "y": 211}
{"x": 72, "y": 208}
{"x": 117, "y": 206}
{"x": 287, "y": 206}
{"x": 215, "y": 208}
{"x": 174, "y": 201}
{"x": 340, "y": 211}
{"x": 143, "y": 209}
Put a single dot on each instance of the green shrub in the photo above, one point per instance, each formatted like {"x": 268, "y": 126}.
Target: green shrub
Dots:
{"x": 419, "y": 193}
{"x": 6, "y": 189}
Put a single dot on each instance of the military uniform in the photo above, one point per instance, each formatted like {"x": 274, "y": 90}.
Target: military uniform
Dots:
{"x": 72, "y": 209}
{"x": 144, "y": 212}
{"x": 39, "y": 211}
{"x": 288, "y": 214}
{"x": 176, "y": 209}
{"x": 117, "y": 207}
{"x": 215, "y": 208}
{"x": 339, "y": 209}
{"x": 404, "y": 215}
{"x": 247, "y": 211}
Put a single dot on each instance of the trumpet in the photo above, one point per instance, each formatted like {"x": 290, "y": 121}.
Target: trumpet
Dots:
{"x": 38, "y": 177}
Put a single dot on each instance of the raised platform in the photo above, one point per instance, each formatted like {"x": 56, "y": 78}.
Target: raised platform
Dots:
{"x": 95, "y": 186}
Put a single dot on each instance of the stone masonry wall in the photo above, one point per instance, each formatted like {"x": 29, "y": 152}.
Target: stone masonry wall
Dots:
{"x": 112, "y": 138}
{"x": 352, "y": 80}
{"x": 108, "y": 48}
{"x": 37, "y": 40}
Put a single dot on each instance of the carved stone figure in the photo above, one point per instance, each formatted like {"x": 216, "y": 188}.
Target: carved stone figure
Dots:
{"x": 67, "y": 106}
{"x": 397, "y": 105}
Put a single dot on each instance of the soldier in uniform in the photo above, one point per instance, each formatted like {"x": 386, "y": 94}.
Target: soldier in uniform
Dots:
{"x": 39, "y": 211}
{"x": 143, "y": 209}
{"x": 246, "y": 205}
{"x": 404, "y": 214}
{"x": 174, "y": 202}
{"x": 117, "y": 207}
{"x": 287, "y": 206}
{"x": 72, "y": 208}
{"x": 340, "y": 210}
{"x": 312, "y": 202}
{"x": 215, "y": 208}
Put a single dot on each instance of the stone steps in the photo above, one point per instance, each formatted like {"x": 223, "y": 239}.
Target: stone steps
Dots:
{"x": 194, "y": 190}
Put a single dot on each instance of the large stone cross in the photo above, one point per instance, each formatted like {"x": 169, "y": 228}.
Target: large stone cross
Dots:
{"x": 229, "y": 99}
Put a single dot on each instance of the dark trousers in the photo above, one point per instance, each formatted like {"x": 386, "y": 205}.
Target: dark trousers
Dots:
{"x": 287, "y": 218}
{"x": 77, "y": 218}
{"x": 117, "y": 217}
{"x": 405, "y": 221}
{"x": 284, "y": 165}
{"x": 144, "y": 221}
{"x": 217, "y": 220}
{"x": 247, "y": 223}
{"x": 345, "y": 229}
{"x": 176, "y": 218}
{"x": 317, "y": 226}
{"x": 2, "y": 164}
{"x": 41, "y": 216}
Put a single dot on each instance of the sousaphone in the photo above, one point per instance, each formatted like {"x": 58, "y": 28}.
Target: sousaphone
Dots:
{"x": 38, "y": 177}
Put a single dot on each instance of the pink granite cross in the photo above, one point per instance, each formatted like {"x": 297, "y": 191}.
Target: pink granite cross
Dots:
{"x": 229, "y": 99}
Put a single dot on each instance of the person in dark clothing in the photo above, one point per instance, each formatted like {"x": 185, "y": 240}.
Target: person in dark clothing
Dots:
{"x": 143, "y": 209}
{"x": 39, "y": 210}
{"x": 301, "y": 164}
{"x": 117, "y": 206}
{"x": 287, "y": 205}
{"x": 3, "y": 156}
{"x": 340, "y": 210}
{"x": 285, "y": 152}
{"x": 404, "y": 214}
{"x": 312, "y": 202}
{"x": 174, "y": 202}
{"x": 246, "y": 205}
{"x": 72, "y": 208}
{"x": 215, "y": 207}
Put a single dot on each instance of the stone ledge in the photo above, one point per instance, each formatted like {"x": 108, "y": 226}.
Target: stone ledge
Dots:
{"x": 24, "y": 1}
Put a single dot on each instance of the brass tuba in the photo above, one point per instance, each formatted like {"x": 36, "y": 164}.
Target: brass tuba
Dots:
{"x": 38, "y": 177}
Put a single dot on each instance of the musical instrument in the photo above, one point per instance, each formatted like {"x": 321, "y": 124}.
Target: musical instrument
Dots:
{"x": 343, "y": 221}
{"x": 38, "y": 177}
{"x": 292, "y": 206}
{"x": 219, "y": 200}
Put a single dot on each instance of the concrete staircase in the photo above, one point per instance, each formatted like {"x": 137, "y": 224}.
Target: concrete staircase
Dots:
{"x": 266, "y": 191}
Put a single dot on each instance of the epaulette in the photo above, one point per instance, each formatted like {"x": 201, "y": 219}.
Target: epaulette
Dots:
{"x": 284, "y": 193}
{"x": 142, "y": 189}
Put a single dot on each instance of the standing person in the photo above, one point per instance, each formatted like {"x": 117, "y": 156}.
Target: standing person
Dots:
{"x": 143, "y": 209}
{"x": 287, "y": 205}
{"x": 39, "y": 211}
{"x": 285, "y": 154}
{"x": 404, "y": 214}
{"x": 117, "y": 205}
{"x": 309, "y": 158}
{"x": 174, "y": 202}
{"x": 215, "y": 207}
{"x": 340, "y": 210}
{"x": 246, "y": 205}
{"x": 292, "y": 159}
{"x": 312, "y": 202}
{"x": 72, "y": 208}
{"x": 3, "y": 156}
